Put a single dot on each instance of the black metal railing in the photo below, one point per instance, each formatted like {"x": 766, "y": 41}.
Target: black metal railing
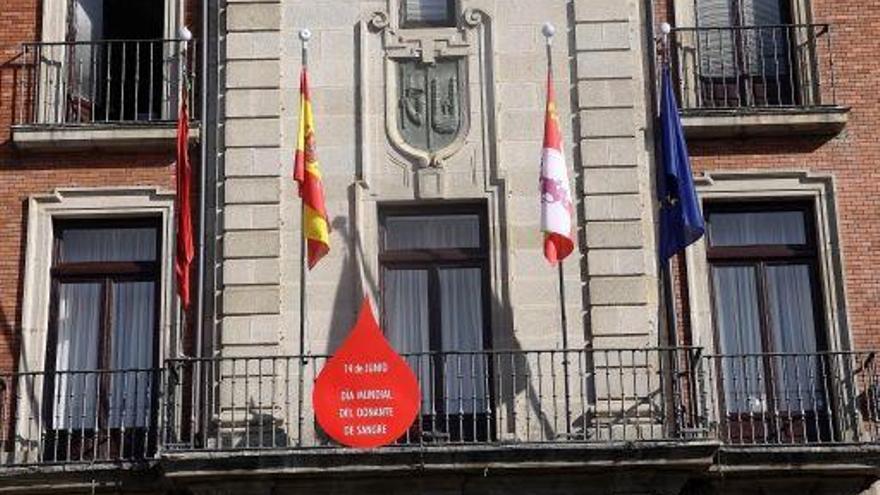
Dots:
{"x": 485, "y": 397}
{"x": 795, "y": 398}
{"x": 754, "y": 67}
{"x": 587, "y": 396}
{"x": 79, "y": 416}
{"x": 102, "y": 82}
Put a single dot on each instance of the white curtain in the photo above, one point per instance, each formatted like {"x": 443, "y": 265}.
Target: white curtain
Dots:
{"x": 757, "y": 228}
{"x": 738, "y": 319}
{"x": 94, "y": 245}
{"x": 79, "y": 384}
{"x": 461, "y": 315}
{"x": 793, "y": 324}
{"x": 427, "y": 10}
{"x": 432, "y": 232}
{"x": 406, "y": 325}
{"x": 78, "y": 329}
{"x": 132, "y": 353}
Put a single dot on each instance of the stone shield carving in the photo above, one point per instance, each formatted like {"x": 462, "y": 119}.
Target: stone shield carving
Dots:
{"x": 430, "y": 105}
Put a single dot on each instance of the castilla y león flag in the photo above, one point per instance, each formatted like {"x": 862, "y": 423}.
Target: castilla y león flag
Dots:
{"x": 306, "y": 173}
{"x": 556, "y": 205}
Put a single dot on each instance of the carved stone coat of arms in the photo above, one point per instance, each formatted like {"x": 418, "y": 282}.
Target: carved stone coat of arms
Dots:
{"x": 430, "y": 103}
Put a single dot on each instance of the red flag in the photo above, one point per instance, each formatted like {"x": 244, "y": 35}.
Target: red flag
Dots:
{"x": 185, "y": 248}
{"x": 557, "y": 210}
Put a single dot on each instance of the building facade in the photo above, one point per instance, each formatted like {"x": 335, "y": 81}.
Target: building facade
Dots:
{"x": 759, "y": 377}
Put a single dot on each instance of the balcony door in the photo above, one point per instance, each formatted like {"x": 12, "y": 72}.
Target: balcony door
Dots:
{"x": 116, "y": 60}
{"x": 434, "y": 299}
{"x": 105, "y": 61}
{"x": 100, "y": 387}
{"x": 768, "y": 319}
{"x": 745, "y": 53}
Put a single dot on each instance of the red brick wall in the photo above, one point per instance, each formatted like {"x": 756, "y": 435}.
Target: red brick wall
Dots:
{"x": 853, "y": 157}
{"x": 23, "y": 174}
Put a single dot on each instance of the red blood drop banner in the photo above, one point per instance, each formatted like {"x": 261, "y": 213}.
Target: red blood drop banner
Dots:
{"x": 366, "y": 396}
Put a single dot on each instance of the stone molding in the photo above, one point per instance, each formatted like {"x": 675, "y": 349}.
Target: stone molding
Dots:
{"x": 773, "y": 185}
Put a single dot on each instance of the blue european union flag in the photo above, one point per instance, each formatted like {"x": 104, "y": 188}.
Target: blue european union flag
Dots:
{"x": 681, "y": 220}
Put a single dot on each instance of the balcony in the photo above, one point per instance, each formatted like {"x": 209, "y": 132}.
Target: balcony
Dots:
{"x": 628, "y": 407}
{"x": 105, "y": 94}
{"x": 757, "y": 80}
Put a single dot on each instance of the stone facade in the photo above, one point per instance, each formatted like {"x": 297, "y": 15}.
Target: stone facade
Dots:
{"x": 241, "y": 420}
{"x": 602, "y": 98}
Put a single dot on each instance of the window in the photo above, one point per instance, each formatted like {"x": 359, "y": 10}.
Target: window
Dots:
{"x": 103, "y": 339}
{"x": 745, "y": 51}
{"x": 763, "y": 261}
{"x": 117, "y": 60}
{"x": 434, "y": 294}
{"x": 428, "y": 13}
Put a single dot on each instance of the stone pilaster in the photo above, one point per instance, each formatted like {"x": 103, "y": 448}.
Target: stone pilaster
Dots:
{"x": 615, "y": 171}
{"x": 251, "y": 223}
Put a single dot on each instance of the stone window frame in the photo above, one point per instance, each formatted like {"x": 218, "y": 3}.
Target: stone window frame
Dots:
{"x": 819, "y": 189}
{"x": 685, "y": 13}
{"x": 86, "y": 203}
{"x": 685, "y": 16}
{"x": 55, "y": 13}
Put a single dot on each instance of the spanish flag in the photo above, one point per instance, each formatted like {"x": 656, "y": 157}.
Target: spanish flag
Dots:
{"x": 307, "y": 175}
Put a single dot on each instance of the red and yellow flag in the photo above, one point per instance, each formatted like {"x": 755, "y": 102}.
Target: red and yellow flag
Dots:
{"x": 316, "y": 228}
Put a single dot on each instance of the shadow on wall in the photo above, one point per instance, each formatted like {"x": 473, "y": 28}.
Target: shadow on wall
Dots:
{"x": 350, "y": 291}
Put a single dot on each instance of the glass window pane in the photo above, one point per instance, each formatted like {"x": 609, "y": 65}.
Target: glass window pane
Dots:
{"x": 738, "y": 319}
{"x": 757, "y": 228}
{"x": 132, "y": 353}
{"x": 97, "y": 244}
{"x": 406, "y": 323}
{"x": 432, "y": 232}
{"x": 461, "y": 316}
{"x": 790, "y": 297}
{"x": 76, "y": 355}
{"x": 428, "y": 11}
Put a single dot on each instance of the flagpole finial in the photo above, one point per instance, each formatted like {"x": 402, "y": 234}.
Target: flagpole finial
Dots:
{"x": 665, "y": 29}
{"x": 548, "y": 30}
{"x": 305, "y": 35}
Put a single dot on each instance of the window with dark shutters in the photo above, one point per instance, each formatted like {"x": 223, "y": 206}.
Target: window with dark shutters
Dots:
{"x": 744, "y": 51}
{"x": 428, "y": 13}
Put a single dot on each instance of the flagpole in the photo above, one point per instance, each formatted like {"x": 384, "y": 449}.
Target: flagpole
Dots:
{"x": 666, "y": 274}
{"x": 304, "y": 35}
{"x": 548, "y": 30}
{"x": 665, "y": 270}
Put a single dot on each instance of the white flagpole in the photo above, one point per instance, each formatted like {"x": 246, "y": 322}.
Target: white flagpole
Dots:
{"x": 304, "y": 35}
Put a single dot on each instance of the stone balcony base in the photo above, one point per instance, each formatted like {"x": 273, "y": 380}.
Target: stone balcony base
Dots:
{"x": 732, "y": 123}
{"x": 100, "y": 137}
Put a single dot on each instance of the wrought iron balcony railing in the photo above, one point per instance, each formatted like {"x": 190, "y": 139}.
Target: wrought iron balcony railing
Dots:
{"x": 79, "y": 416}
{"x": 102, "y": 82}
{"x": 795, "y": 398}
{"x": 487, "y": 398}
{"x": 754, "y": 67}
